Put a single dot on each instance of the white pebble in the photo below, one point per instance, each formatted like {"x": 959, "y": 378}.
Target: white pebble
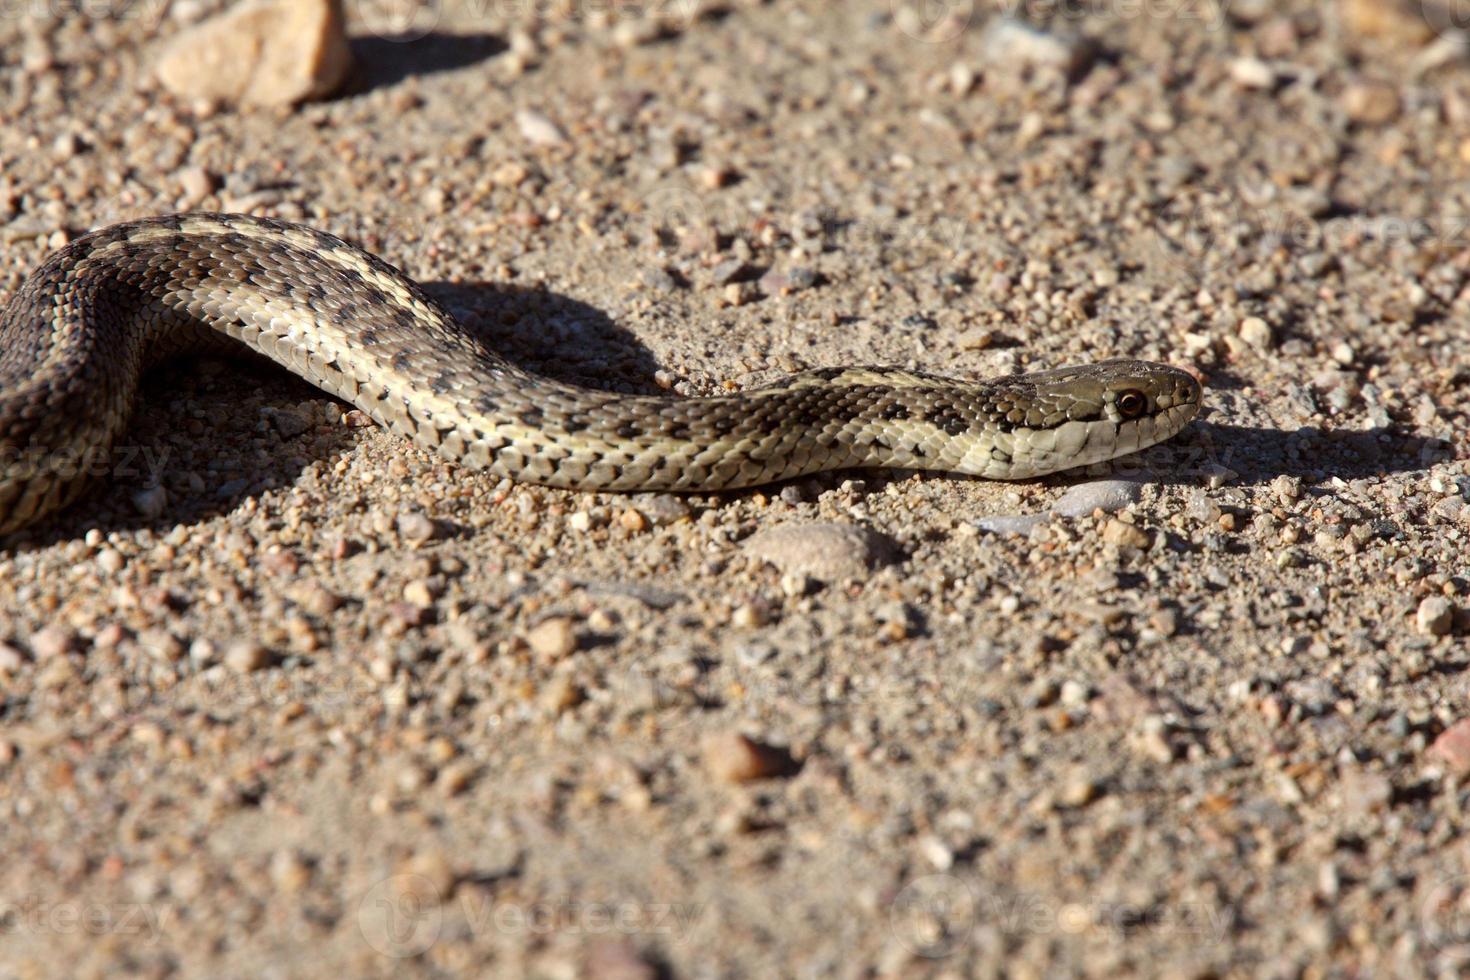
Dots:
{"x": 538, "y": 128}
{"x": 1256, "y": 332}
{"x": 246, "y": 656}
{"x": 1105, "y": 495}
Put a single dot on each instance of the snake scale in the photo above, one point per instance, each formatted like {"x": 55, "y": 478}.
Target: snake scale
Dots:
{"x": 85, "y": 325}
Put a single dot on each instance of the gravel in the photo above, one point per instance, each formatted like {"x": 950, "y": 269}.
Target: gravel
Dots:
{"x": 296, "y": 711}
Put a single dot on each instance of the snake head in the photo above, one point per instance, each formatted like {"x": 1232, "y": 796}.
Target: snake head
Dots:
{"x": 1070, "y": 417}
{"x": 1132, "y": 390}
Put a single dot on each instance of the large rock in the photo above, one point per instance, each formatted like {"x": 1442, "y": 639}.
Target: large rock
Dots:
{"x": 272, "y": 52}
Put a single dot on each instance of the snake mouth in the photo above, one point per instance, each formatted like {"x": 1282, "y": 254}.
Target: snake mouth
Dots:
{"x": 1029, "y": 453}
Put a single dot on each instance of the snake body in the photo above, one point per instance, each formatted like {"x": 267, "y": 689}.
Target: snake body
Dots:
{"x": 85, "y": 325}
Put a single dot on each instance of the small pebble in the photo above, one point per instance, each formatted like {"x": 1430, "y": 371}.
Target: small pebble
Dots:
{"x": 1452, "y": 747}
{"x": 552, "y": 638}
{"x": 1371, "y": 103}
{"x": 1018, "y": 524}
{"x": 195, "y": 183}
{"x": 1014, "y": 45}
{"x": 538, "y": 129}
{"x": 1108, "y": 496}
{"x": 749, "y": 615}
{"x": 1365, "y": 792}
{"x": 1436, "y": 616}
{"x": 53, "y": 641}
{"x": 288, "y": 872}
{"x": 1252, "y": 73}
{"x": 1077, "y": 792}
{"x": 289, "y": 423}
{"x": 827, "y": 552}
{"x": 415, "y": 528}
{"x": 1256, "y": 332}
{"x": 150, "y": 501}
{"x": 418, "y": 593}
{"x": 454, "y": 778}
{"x": 11, "y": 659}
{"x": 1124, "y": 535}
{"x": 109, "y": 561}
{"x": 736, "y": 758}
{"x": 562, "y": 694}
{"x": 246, "y": 656}
{"x": 1409, "y": 21}
{"x": 427, "y": 876}
{"x": 162, "y": 645}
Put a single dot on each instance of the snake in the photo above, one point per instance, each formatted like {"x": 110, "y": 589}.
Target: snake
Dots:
{"x": 83, "y": 328}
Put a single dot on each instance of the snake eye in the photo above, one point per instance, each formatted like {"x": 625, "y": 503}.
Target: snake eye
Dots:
{"x": 1131, "y": 403}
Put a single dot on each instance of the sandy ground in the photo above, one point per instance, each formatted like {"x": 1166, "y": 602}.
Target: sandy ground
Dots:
{"x": 289, "y": 697}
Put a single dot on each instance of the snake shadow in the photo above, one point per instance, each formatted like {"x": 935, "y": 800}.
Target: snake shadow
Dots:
{"x": 214, "y": 432}
{"x": 381, "y": 62}
{"x": 1256, "y": 455}
{"x": 551, "y": 334}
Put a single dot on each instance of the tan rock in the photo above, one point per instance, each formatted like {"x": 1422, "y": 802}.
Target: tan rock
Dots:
{"x": 272, "y": 52}
{"x": 1124, "y": 534}
{"x": 552, "y": 638}
{"x": 736, "y": 758}
{"x": 1372, "y": 103}
{"x": 1401, "y": 20}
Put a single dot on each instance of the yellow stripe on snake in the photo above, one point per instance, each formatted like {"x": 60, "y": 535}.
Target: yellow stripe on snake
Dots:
{"x": 82, "y": 329}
